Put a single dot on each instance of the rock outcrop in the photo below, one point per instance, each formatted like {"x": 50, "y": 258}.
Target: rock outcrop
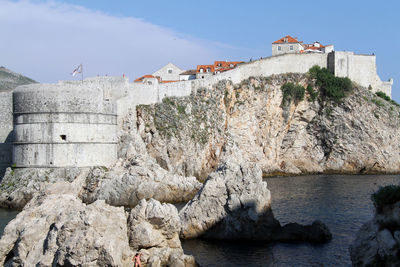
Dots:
{"x": 316, "y": 135}
{"x": 235, "y": 203}
{"x": 18, "y": 186}
{"x": 378, "y": 241}
{"x": 57, "y": 229}
{"x": 135, "y": 179}
{"x": 154, "y": 231}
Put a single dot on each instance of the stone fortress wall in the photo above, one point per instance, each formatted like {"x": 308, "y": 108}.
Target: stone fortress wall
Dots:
{"x": 74, "y": 123}
{"x": 6, "y": 127}
{"x": 63, "y": 125}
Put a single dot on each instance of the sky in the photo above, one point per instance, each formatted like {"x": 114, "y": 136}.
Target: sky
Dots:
{"x": 46, "y": 40}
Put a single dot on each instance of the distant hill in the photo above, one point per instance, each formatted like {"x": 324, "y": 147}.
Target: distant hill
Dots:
{"x": 9, "y": 80}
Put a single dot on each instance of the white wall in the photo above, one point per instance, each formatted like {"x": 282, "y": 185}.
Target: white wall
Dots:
{"x": 360, "y": 69}
{"x": 166, "y": 76}
{"x": 285, "y": 48}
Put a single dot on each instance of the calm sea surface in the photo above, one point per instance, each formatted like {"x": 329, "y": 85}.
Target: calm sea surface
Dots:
{"x": 5, "y": 217}
{"x": 340, "y": 201}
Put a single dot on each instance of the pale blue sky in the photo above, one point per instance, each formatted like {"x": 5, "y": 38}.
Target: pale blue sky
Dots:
{"x": 45, "y": 40}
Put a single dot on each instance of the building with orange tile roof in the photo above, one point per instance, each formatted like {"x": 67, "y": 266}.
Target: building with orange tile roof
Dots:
{"x": 204, "y": 71}
{"x": 288, "y": 45}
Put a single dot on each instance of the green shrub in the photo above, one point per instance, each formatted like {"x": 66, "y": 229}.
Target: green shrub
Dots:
{"x": 168, "y": 101}
{"x": 292, "y": 92}
{"x": 377, "y": 102}
{"x": 387, "y": 98}
{"x": 387, "y": 195}
{"x": 312, "y": 93}
{"x": 330, "y": 86}
{"x": 383, "y": 95}
{"x": 181, "y": 109}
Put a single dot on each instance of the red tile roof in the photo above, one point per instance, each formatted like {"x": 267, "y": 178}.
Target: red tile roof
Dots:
{"x": 147, "y": 76}
{"x": 219, "y": 66}
{"x": 205, "y": 67}
{"x": 288, "y": 39}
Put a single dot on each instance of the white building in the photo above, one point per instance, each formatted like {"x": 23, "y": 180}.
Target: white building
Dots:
{"x": 187, "y": 75}
{"x": 288, "y": 45}
{"x": 169, "y": 72}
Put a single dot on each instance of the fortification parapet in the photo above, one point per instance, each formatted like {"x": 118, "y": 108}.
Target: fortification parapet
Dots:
{"x": 63, "y": 125}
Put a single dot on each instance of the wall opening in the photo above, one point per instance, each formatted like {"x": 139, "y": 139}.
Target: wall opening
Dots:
{"x": 63, "y": 137}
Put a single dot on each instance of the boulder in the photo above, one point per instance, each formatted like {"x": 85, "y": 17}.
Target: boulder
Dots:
{"x": 154, "y": 231}
{"x": 57, "y": 229}
{"x": 235, "y": 203}
{"x": 19, "y": 185}
{"x": 378, "y": 241}
{"x": 139, "y": 177}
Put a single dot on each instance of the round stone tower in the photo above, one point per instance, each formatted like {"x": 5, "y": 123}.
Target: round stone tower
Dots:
{"x": 63, "y": 125}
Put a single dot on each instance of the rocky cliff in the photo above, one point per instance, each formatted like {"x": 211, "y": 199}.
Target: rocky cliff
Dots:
{"x": 357, "y": 134}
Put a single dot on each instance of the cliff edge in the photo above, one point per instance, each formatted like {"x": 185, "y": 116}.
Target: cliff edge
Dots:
{"x": 321, "y": 132}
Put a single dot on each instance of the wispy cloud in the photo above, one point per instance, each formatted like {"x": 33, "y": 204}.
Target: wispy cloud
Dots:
{"x": 46, "y": 40}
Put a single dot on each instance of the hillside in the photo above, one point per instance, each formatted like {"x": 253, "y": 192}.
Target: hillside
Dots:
{"x": 9, "y": 80}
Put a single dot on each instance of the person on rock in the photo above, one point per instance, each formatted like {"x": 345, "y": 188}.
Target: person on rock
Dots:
{"x": 136, "y": 260}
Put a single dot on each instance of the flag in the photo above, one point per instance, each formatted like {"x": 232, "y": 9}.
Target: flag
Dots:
{"x": 77, "y": 70}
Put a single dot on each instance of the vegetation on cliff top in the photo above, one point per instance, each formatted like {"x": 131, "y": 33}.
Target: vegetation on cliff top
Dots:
{"x": 292, "y": 92}
{"x": 330, "y": 86}
{"x": 387, "y": 98}
{"x": 387, "y": 195}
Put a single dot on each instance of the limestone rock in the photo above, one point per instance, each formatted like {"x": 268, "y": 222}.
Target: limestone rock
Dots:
{"x": 358, "y": 135}
{"x": 18, "y": 186}
{"x": 377, "y": 243}
{"x": 235, "y": 203}
{"x": 58, "y": 229}
{"x": 136, "y": 179}
{"x": 154, "y": 230}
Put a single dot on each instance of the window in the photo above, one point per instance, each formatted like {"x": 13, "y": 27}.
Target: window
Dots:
{"x": 291, "y": 47}
{"x": 279, "y": 48}
{"x": 63, "y": 137}
{"x": 208, "y": 69}
{"x": 231, "y": 65}
{"x": 169, "y": 71}
{"x": 219, "y": 65}
{"x": 201, "y": 70}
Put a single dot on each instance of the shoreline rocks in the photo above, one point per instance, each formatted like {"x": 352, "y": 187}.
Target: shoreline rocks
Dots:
{"x": 235, "y": 203}
{"x": 57, "y": 228}
{"x": 378, "y": 241}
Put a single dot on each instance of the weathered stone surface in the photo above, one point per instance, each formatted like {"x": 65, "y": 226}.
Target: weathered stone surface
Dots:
{"x": 187, "y": 135}
{"x": 235, "y": 203}
{"x": 57, "y": 229}
{"x": 154, "y": 231}
{"x": 18, "y": 186}
{"x": 135, "y": 179}
{"x": 377, "y": 243}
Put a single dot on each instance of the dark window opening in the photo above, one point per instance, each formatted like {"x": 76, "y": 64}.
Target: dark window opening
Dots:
{"x": 63, "y": 137}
